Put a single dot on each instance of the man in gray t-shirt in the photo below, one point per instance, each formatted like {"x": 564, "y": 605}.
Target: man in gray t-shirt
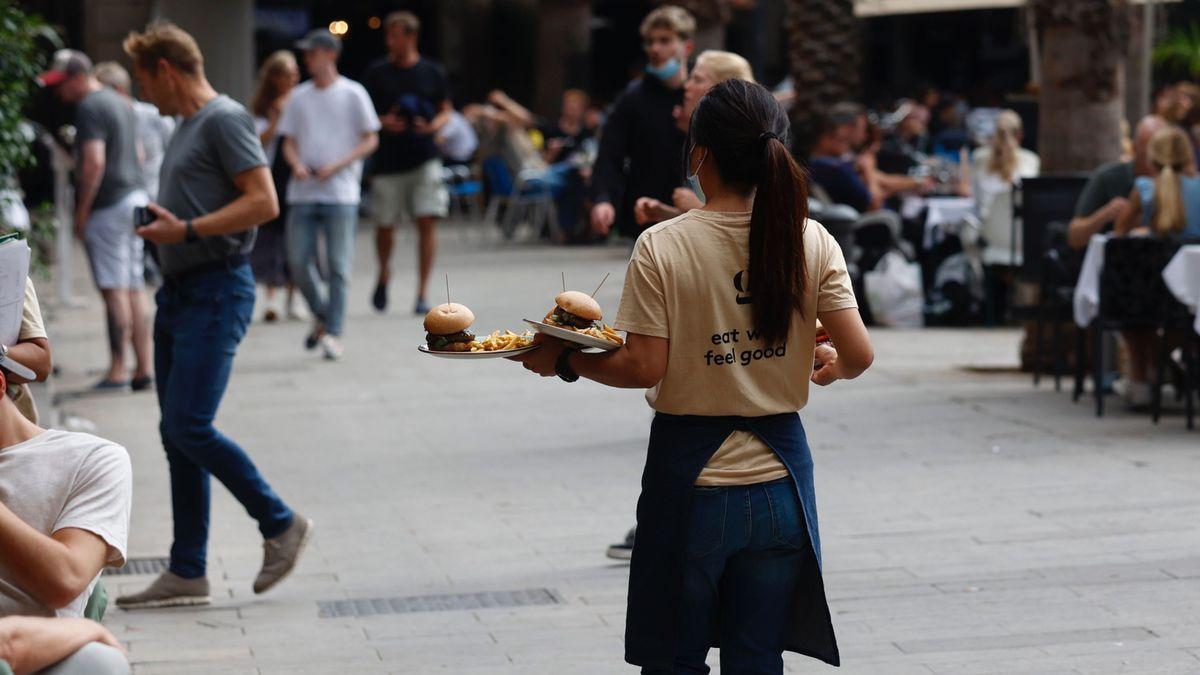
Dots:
{"x": 109, "y": 187}
{"x": 208, "y": 151}
{"x": 214, "y": 189}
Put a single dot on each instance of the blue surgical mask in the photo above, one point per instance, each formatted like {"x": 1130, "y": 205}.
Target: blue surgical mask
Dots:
{"x": 666, "y": 71}
{"x": 693, "y": 180}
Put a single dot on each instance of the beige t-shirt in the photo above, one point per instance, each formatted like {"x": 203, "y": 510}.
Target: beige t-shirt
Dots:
{"x": 32, "y": 327}
{"x": 687, "y": 282}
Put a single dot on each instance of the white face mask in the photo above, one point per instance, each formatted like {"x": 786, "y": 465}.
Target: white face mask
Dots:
{"x": 693, "y": 179}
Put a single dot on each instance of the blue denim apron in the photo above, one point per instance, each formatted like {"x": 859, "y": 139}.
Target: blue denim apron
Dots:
{"x": 680, "y": 446}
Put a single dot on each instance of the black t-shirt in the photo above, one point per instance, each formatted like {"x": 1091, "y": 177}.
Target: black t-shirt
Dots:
{"x": 410, "y": 93}
{"x": 571, "y": 143}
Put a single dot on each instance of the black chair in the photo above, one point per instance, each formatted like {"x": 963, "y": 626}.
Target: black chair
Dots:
{"x": 1133, "y": 296}
{"x": 1177, "y": 319}
{"x": 1042, "y": 208}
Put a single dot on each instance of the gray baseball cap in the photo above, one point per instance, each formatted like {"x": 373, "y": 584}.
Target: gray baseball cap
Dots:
{"x": 64, "y": 64}
{"x": 320, "y": 38}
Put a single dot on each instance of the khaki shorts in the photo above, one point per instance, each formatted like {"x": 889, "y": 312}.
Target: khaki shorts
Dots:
{"x": 419, "y": 193}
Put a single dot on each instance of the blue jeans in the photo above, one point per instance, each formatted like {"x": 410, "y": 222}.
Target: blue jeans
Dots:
{"x": 338, "y": 222}
{"x": 196, "y": 333}
{"x": 746, "y": 545}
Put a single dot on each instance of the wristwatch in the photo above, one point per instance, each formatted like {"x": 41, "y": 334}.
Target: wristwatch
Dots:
{"x": 562, "y": 367}
{"x": 191, "y": 235}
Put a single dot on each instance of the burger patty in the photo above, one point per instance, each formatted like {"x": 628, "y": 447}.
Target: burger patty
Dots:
{"x": 565, "y": 318}
{"x": 455, "y": 342}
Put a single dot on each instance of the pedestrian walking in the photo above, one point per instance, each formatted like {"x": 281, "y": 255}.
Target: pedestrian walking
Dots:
{"x": 215, "y": 188}
{"x": 727, "y": 547}
{"x": 109, "y": 186}
{"x": 411, "y": 94}
{"x": 277, "y": 77}
{"x": 328, "y": 126}
{"x": 640, "y": 143}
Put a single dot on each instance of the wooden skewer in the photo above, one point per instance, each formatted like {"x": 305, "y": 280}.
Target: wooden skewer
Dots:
{"x": 447, "y": 291}
{"x": 601, "y": 284}
{"x": 564, "y": 280}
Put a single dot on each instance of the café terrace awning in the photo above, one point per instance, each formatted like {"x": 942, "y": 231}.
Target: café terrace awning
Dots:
{"x": 870, "y": 8}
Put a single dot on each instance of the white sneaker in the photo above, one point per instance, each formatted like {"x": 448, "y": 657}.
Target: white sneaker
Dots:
{"x": 1136, "y": 394}
{"x": 332, "y": 347}
{"x": 295, "y": 308}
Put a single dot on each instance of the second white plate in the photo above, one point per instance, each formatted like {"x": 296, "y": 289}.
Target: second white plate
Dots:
{"x": 572, "y": 336}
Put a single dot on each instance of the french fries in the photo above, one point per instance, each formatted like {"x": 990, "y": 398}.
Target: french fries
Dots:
{"x": 498, "y": 342}
{"x": 605, "y": 333}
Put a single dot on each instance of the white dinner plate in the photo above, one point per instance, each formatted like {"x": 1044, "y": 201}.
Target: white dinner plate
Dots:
{"x": 573, "y": 336}
{"x": 424, "y": 349}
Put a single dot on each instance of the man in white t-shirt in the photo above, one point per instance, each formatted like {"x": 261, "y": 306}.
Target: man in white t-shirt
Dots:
{"x": 328, "y": 125}
{"x": 64, "y": 514}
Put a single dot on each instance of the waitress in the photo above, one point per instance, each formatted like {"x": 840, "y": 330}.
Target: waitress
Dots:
{"x": 721, "y": 305}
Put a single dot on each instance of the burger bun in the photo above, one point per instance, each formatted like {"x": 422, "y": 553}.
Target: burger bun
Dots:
{"x": 580, "y": 304}
{"x": 448, "y": 319}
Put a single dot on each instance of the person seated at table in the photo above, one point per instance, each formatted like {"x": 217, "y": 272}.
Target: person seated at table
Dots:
{"x": 1106, "y": 193}
{"x": 904, "y": 147}
{"x": 833, "y": 166}
{"x": 994, "y": 169}
{"x": 567, "y": 135}
{"x": 59, "y": 646}
{"x": 64, "y": 514}
{"x": 866, "y": 140}
{"x": 1167, "y": 204}
{"x": 952, "y": 135}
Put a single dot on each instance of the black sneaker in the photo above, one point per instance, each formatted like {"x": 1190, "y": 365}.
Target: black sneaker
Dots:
{"x": 379, "y": 297}
{"x": 141, "y": 383}
{"x": 314, "y": 338}
{"x": 624, "y": 550}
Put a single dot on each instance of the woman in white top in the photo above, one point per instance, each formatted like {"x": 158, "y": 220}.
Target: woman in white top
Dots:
{"x": 721, "y": 305}
{"x": 276, "y": 78}
{"x": 995, "y": 169}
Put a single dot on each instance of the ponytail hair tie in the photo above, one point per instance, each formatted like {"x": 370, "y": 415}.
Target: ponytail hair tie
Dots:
{"x": 766, "y": 136}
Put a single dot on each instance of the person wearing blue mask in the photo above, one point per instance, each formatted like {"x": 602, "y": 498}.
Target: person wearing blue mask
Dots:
{"x": 640, "y": 143}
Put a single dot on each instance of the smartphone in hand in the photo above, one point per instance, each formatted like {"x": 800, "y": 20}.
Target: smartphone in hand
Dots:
{"x": 142, "y": 216}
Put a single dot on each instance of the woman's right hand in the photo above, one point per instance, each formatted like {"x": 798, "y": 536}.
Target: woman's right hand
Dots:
{"x": 825, "y": 365}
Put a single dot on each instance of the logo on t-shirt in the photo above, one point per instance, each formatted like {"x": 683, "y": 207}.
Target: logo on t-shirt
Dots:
{"x": 741, "y": 282}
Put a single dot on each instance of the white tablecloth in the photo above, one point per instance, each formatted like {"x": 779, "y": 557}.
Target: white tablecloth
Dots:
{"x": 1087, "y": 289}
{"x": 1182, "y": 275}
{"x": 944, "y": 211}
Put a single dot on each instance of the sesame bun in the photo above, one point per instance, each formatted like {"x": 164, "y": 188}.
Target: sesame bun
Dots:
{"x": 580, "y": 304}
{"x": 448, "y": 319}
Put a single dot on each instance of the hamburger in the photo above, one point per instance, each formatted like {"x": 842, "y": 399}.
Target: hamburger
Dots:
{"x": 575, "y": 310}
{"x": 448, "y": 328}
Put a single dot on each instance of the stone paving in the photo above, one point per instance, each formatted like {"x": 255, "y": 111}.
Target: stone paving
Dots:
{"x": 970, "y": 523}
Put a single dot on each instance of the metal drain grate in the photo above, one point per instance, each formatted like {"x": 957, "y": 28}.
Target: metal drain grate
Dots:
{"x": 436, "y": 603}
{"x": 139, "y": 566}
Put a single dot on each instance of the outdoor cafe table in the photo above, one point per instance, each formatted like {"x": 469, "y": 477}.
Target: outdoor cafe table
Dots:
{"x": 1182, "y": 276}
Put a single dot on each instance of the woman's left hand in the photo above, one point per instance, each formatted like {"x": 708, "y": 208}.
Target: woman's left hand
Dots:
{"x": 543, "y": 359}
{"x": 824, "y": 358}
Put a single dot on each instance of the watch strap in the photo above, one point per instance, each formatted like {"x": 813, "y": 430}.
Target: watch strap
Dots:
{"x": 562, "y": 367}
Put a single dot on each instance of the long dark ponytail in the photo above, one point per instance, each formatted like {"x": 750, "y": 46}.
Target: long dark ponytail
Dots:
{"x": 745, "y": 130}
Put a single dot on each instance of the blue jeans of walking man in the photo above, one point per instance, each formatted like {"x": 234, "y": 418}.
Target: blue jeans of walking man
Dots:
{"x": 337, "y": 222}
{"x": 196, "y": 334}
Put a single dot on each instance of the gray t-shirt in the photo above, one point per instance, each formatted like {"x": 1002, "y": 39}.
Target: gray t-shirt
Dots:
{"x": 107, "y": 116}
{"x": 207, "y": 151}
{"x": 1114, "y": 179}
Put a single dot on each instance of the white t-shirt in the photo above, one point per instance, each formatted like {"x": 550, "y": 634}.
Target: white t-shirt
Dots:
{"x": 59, "y": 480}
{"x": 326, "y": 124}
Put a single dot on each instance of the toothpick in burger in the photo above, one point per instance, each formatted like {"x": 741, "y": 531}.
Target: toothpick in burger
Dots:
{"x": 448, "y": 327}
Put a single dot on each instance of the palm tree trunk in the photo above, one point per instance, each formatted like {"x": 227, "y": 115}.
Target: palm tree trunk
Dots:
{"x": 823, "y": 57}
{"x": 1084, "y": 43}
